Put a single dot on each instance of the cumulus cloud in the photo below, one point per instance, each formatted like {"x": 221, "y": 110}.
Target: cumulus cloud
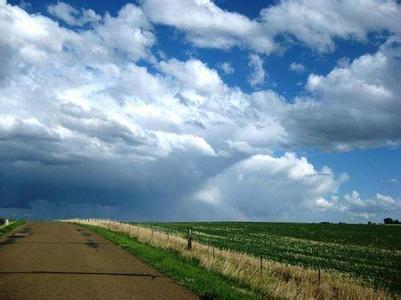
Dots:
{"x": 194, "y": 74}
{"x": 318, "y": 23}
{"x": 207, "y": 25}
{"x": 352, "y": 106}
{"x": 75, "y": 103}
{"x": 71, "y": 15}
{"x": 258, "y": 74}
{"x": 226, "y": 67}
{"x": 376, "y": 208}
{"x": 287, "y": 187}
{"x": 297, "y": 67}
{"x": 314, "y": 23}
{"x": 128, "y": 135}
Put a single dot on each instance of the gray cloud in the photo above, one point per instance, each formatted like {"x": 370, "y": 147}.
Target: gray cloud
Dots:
{"x": 85, "y": 130}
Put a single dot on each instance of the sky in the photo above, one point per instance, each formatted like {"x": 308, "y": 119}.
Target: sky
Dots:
{"x": 172, "y": 110}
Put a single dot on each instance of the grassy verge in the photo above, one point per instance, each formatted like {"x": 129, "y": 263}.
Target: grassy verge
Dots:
{"x": 10, "y": 227}
{"x": 371, "y": 254}
{"x": 272, "y": 280}
{"x": 188, "y": 273}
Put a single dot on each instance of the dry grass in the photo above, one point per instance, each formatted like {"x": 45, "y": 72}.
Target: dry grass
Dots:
{"x": 275, "y": 280}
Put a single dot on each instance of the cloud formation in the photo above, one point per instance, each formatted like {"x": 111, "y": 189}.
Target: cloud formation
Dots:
{"x": 71, "y": 15}
{"x": 277, "y": 188}
{"x": 353, "y": 106}
{"x": 313, "y": 23}
{"x": 353, "y": 205}
{"x": 91, "y": 122}
{"x": 258, "y": 74}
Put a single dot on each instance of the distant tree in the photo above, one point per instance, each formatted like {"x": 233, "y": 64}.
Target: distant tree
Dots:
{"x": 388, "y": 221}
{"x": 370, "y": 223}
{"x": 391, "y": 221}
{"x": 2, "y": 221}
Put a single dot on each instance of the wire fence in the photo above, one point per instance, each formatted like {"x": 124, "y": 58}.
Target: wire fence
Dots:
{"x": 260, "y": 274}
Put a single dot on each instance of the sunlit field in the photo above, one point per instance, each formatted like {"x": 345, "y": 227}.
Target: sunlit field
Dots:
{"x": 371, "y": 253}
{"x": 232, "y": 250}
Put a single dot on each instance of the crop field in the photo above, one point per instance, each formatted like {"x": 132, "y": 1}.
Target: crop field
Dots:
{"x": 369, "y": 253}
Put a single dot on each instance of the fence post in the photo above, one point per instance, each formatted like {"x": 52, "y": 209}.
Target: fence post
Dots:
{"x": 318, "y": 266}
{"x": 189, "y": 246}
{"x": 213, "y": 250}
{"x": 261, "y": 263}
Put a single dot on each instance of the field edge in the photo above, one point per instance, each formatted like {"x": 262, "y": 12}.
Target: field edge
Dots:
{"x": 187, "y": 273}
{"x": 10, "y": 227}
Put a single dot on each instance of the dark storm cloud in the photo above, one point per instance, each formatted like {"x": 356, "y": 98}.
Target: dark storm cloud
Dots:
{"x": 86, "y": 130}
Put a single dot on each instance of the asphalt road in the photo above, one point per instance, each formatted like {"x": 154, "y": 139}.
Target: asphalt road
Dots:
{"x": 65, "y": 261}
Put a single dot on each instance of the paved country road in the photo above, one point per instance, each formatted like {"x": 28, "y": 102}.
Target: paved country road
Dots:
{"x": 65, "y": 261}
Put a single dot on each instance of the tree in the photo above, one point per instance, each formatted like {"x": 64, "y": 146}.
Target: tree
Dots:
{"x": 388, "y": 221}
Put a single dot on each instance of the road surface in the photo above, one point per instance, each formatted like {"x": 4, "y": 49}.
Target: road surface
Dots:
{"x": 65, "y": 261}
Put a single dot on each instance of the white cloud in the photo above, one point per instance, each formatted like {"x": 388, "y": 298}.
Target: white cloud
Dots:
{"x": 207, "y": 25}
{"x": 194, "y": 74}
{"x": 323, "y": 203}
{"x": 77, "y": 102}
{"x": 297, "y": 67}
{"x": 170, "y": 141}
{"x": 258, "y": 74}
{"x": 227, "y": 68}
{"x": 357, "y": 105}
{"x": 394, "y": 181}
{"x": 130, "y": 32}
{"x": 314, "y": 23}
{"x": 376, "y": 208}
{"x": 318, "y": 23}
{"x": 264, "y": 186}
{"x": 71, "y": 15}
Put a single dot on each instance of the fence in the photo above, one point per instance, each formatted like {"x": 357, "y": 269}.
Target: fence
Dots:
{"x": 261, "y": 275}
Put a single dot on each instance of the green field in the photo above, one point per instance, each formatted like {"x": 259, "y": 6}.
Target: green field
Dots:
{"x": 371, "y": 253}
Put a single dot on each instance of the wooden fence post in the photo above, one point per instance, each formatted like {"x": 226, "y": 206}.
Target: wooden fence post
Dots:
{"x": 261, "y": 263}
{"x": 318, "y": 266}
{"x": 189, "y": 246}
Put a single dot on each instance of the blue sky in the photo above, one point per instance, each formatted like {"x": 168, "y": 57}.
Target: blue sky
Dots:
{"x": 201, "y": 110}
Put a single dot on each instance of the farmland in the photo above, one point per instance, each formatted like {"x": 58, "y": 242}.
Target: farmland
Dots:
{"x": 369, "y": 253}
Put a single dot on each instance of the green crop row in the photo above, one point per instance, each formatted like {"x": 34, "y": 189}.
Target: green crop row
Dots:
{"x": 371, "y": 253}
